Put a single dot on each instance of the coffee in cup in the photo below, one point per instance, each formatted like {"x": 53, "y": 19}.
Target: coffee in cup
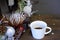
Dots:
{"x": 38, "y": 28}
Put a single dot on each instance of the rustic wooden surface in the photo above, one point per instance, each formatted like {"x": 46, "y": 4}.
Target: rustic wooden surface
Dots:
{"x": 52, "y": 22}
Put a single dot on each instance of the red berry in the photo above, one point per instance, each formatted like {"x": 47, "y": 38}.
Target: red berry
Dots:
{"x": 21, "y": 28}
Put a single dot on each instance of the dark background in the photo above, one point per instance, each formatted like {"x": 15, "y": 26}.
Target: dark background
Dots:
{"x": 49, "y": 7}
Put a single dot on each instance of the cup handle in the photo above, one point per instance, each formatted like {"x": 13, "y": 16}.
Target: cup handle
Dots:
{"x": 48, "y": 31}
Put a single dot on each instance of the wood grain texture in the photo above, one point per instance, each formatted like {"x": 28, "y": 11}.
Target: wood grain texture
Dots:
{"x": 52, "y": 22}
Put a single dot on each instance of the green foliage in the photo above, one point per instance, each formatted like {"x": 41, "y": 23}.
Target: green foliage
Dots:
{"x": 21, "y": 5}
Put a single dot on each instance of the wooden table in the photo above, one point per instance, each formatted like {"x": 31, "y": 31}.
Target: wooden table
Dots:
{"x": 52, "y": 22}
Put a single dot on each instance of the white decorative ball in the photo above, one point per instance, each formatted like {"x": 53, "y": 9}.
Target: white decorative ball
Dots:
{"x": 10, "y": 31}
{"x": 27, "y": 10}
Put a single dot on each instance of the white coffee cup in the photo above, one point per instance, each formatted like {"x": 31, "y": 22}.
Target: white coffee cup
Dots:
{"x": 39, "y": 33}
